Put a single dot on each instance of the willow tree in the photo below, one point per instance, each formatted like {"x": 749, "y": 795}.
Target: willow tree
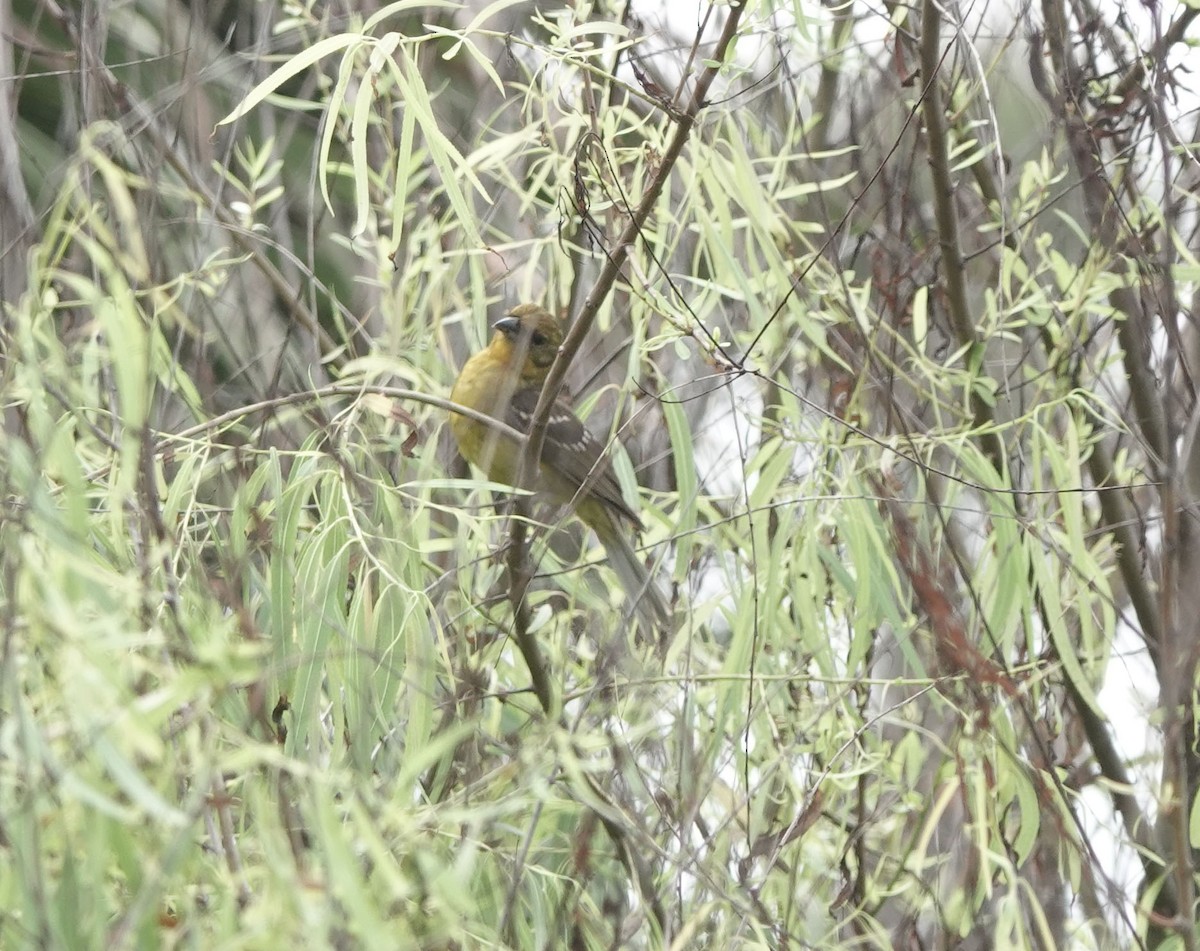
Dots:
{"x": 885, "y": 314}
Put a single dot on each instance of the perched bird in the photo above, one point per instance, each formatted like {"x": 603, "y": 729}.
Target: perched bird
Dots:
{"x": 504, "y": 381}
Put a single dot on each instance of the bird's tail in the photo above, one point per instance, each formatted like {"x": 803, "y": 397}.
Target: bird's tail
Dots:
{"x": 646, "y": 600}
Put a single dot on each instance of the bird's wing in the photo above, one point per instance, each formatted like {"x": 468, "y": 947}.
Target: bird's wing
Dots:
{"x": 571, "y": 452}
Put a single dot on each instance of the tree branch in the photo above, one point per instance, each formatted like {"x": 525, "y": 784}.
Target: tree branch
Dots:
{"x": 947, "y": 220}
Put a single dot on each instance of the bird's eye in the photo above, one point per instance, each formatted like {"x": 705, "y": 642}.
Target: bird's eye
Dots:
{"x": 538, "y": 339}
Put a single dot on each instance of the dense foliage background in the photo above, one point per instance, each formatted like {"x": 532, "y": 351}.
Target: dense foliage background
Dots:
{"x": 889, "y": 310}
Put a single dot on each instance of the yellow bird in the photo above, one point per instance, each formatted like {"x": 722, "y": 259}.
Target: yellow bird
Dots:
{"x": 504, "y": 381}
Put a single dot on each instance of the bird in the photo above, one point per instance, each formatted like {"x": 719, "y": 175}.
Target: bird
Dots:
{"x": 504, "y": 381}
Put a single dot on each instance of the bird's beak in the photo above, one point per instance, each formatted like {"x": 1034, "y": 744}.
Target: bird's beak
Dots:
{"x": 507, "y": 325}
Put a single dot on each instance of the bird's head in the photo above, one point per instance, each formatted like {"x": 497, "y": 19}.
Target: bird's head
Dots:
{"x": 534, "y": 336}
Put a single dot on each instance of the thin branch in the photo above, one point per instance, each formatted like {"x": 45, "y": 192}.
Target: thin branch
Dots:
{"x": 947, "y": 219}
{"x": 616, "y": 259}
